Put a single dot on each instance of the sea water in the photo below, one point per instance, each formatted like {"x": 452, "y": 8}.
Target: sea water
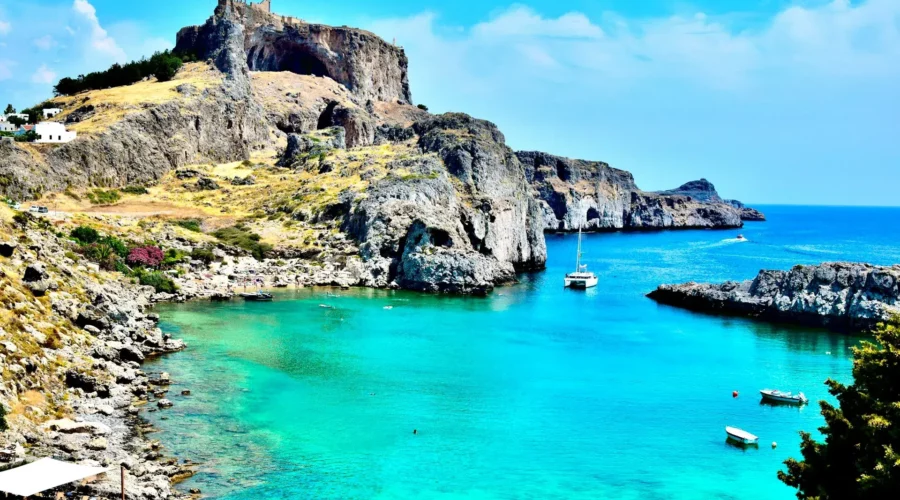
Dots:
{"x": 535, "y": 392}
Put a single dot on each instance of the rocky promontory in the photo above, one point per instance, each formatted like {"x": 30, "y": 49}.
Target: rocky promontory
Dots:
{"x": 838, "y": 295}
{"x": 591, "y": 195}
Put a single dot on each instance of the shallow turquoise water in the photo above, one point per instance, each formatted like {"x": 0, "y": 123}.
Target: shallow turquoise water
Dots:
{"x": 535, "y": 392}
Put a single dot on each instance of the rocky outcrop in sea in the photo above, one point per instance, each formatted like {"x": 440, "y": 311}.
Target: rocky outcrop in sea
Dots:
{"x": 591, "y": 195}
{"x": 838, "y": 295}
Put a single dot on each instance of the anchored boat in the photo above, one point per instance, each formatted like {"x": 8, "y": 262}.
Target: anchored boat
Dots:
{"x": 581, "y": 278}
{"x": 257, "y": 297}
{"x": 741, "y": 436}
{"x": 783, "y": 397}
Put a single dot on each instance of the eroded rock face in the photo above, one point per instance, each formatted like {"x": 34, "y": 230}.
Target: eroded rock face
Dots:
{"x": 364, "y": 63}
{"x": 594, "y": 196}
{"x": 705, "y": 192}
{"x": 463, "y": 221}
{"x": 838, "y": 295}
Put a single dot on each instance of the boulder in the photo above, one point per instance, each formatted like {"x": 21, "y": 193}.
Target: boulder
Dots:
{"x": 207, "y": 184}
{"x": 7, "y": 248}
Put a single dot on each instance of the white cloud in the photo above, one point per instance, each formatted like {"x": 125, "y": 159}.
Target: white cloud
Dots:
{"x": 522, "y": 21}
{"x": 100, "y": 39}
{"x": 838, "y": 39}
{"x": 5, "y": 27}
{"x": 44, "y": 75}
{"x": 45, "y": 42}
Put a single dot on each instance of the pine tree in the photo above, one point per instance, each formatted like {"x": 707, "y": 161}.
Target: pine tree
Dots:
{"x": 860, "y": 458}
{"x": 9, "y": 109}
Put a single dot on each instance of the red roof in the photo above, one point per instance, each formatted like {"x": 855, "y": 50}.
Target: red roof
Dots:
{"x": 28, "y": 128}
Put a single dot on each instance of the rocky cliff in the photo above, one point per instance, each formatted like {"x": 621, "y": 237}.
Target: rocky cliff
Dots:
{"x": 462, "y": 220}
{"x": 839, "y": 295}
{"x": 204, "y": 117}
{"x": 594, "y": 196}
{"x": 704, "y": 191}
{"x": 364, "y": 63}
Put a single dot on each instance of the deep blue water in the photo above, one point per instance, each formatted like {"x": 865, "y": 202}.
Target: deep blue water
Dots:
{"x": 535, "y": 392}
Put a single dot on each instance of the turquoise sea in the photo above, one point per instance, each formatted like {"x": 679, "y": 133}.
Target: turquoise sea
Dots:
{"x": 535, "y": 392}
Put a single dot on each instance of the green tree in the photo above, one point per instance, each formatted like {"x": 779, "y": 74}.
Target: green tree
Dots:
{"x": 9, "y": 109}
{"x": 15, "y": 120}
{"x": 860, "y": 458}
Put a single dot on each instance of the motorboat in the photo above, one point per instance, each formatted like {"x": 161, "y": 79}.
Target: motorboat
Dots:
{"x": 741, "y": 237}
{"x": 741, "y": 436}
{"x": 259, "y": 296}
{"x": 581, "y": 278}
{"x": 783, "y": 397}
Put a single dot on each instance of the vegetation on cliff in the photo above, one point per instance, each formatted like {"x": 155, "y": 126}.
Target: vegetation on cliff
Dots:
{"x": 162, "y": 65}
{"x": 860, "y": 456}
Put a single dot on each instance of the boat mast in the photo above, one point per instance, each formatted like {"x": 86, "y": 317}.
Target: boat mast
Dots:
{"x": 578, "y": 256}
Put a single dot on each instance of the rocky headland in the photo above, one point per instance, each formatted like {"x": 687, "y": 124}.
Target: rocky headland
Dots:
{"x": 838, "y": 295}
{"x": 590, "y": 195}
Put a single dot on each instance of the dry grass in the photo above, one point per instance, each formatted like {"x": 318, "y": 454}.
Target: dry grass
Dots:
{"x": 114, "y": 104}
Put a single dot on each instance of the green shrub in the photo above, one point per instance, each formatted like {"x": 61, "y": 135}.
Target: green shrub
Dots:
{"x": 3, "y": 424}
{"x": 242, "y": 237}
{"x": 85, "y": 235}
{"x": 157, "y": 280}
{"x": 117, "y": 246}
{"x": 172, "y": 258}
{"x": 68, "y": 192}
{"x": 101, "y": 197}
{"x": 189, "y": 224}
{"x": 422, "y": 107}
{"x": 204, "y": 255}
{"x": 135, "y": 190}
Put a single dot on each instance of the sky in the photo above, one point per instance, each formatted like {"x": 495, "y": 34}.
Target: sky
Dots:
{"x": 774, "y": 101}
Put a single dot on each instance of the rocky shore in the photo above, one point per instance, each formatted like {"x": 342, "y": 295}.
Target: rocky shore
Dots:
{"x": 838, "y": 295}
{"x": 73, "y": 341}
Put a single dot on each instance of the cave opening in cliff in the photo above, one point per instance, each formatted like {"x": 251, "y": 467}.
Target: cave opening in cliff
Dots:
{"x": 593, "y": 214}
{"x": 287, "y": 56}
{"x": 326, "y": 118}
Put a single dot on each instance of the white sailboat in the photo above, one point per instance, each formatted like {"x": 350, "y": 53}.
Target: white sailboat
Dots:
{"x": 581, "y": 278}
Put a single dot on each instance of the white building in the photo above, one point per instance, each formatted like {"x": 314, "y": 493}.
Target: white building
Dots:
{"x": 51, "y": 132}
{"x": 7, "y": 127}
{"x": 51, "y": 112}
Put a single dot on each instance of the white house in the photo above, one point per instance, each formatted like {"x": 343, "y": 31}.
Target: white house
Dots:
{"x": 7, "y": 127}
{"x": 51, "y": 112}
{"x": 2, "y": 118}
{"x": 51, "y": 132}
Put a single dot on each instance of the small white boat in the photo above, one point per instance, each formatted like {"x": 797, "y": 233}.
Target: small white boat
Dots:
{"x": 741, "y": 436}
{"x": 783, "y": 397}
{"x": 741, "y": 237}
{"x": 581, "y": 278}
{"x": 258, "y": 296}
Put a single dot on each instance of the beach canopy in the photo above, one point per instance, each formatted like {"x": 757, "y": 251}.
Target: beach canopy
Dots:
{"x": 42, "y": 475}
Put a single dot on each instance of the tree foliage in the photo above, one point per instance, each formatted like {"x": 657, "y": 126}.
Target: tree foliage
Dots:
{"x": 163, "y": 65}
{"x": 860, "y": 458}
{"x": 9, "y": 109}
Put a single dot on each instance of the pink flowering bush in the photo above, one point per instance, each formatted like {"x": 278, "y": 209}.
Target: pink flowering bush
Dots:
{"x": 148, "y": 256}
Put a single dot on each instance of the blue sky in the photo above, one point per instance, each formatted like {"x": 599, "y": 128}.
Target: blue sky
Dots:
{"x": 774, "y": 101}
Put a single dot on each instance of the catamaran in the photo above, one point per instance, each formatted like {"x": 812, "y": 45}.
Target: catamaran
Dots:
{"x": 581, "y": 278}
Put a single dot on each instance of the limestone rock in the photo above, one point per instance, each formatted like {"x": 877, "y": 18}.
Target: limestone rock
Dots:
{"x": 838, "y": 295}
{"x": 357, "y": 59}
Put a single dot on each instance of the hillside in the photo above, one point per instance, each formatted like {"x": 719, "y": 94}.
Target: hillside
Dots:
{"x": 304, "y": 133}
